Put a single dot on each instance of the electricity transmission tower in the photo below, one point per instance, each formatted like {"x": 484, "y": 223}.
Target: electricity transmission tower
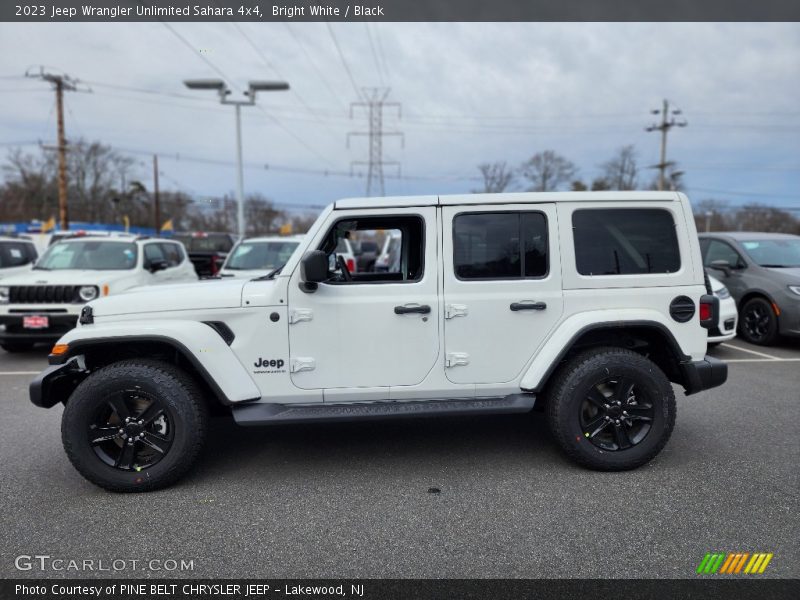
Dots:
{"x": 667, "y": 123}
{"x": 374, "y": 103}
{"x": 61, "y": 83}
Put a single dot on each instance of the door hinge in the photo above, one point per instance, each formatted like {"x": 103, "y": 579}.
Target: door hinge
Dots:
{"x": 303, "y": 364}
{"x": 454, "y": 359}
{"x": 300, "y": 314}
{"x": 455, "y": 310}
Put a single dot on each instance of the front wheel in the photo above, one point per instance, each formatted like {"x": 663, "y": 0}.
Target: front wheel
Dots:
{"x": 135, "y": 425}
{"x": 758, "y": 323}
{"x": 611, "y": 409}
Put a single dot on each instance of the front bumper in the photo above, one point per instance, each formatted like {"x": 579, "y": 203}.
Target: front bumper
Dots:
{"x": 15, "y": 332}
{"x": 704, "y": 374}
{"x": 55, "y": 383}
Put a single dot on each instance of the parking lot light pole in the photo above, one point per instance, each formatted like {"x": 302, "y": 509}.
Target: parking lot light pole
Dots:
{"x": 255, "y": 86}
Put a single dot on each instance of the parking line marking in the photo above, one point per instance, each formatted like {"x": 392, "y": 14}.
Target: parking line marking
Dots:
{"x": 19, "y": 372}
{"x": 749, "y": 360}
{"x": 752, "y": 352}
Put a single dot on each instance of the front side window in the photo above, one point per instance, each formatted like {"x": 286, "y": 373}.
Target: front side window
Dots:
{"x": 401, "y": 242}
{"x": 261, "y": 256}
{"x": 507, "y": 245}
{"x": 625, "y": 241}
{"x": 89, "y": 254}
{"x": 173, "y": 253}
{"x": 717, "y": 250}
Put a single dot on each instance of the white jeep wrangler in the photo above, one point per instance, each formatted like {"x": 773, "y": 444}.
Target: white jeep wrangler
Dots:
{"x": 586, "y": 305}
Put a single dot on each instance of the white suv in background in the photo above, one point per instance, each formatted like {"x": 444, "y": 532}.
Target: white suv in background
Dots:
{"x": 43, "y": 303}
{"x": 728, "y": 314}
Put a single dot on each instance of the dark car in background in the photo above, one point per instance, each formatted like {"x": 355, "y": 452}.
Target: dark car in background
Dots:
{"x": 762, "y": 273}
{"x": 366, "y": 254}
{"x": 207, "y": 250}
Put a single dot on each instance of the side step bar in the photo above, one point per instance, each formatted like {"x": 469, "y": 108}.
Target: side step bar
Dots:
{"x": 272, "y": 414}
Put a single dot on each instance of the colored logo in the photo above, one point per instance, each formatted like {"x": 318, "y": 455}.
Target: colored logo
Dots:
{"x": 734, "y": 563}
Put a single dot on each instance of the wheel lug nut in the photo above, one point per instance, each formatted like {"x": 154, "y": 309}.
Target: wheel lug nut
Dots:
{"x": 122, "y": 431}
{"x": 141, "y": 422}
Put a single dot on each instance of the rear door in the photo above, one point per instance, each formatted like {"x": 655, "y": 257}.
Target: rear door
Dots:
{"x": 502, "y": 288}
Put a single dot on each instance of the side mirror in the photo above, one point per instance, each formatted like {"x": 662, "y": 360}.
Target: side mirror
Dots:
{"x": 157, "y": 265}
{"x": 722, "y": 265}
{"x": 313, "y": 270}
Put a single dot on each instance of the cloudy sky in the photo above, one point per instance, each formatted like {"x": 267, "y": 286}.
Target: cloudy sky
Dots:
{"x": 470, "y": 93}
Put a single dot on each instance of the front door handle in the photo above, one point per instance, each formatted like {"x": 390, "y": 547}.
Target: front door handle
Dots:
{"x": 423, "y": 309}
{"x": 515, "y": 306}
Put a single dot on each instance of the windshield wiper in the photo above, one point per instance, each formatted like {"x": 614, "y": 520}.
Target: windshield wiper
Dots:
{"x": 38, "y": 268}
{"x": 270, "y": 275}
{"x": 776, "y": 266}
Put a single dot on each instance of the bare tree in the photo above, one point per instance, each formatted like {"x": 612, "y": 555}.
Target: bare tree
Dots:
{"x": 757, "y": 217}
{"x": 621, "y": 172}
{"x": 547, "y": 171}
{"x": 496, "y": 177}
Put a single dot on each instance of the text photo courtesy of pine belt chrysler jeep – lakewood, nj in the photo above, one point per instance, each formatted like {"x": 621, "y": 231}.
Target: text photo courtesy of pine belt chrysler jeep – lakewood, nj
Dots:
{"x": 586, "y": 305}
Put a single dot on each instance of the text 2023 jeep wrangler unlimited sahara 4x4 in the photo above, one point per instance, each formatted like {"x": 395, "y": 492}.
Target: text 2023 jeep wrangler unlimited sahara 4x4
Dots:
{"x": 587, "y": 304}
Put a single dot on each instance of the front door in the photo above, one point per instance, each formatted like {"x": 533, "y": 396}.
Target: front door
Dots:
{"x": 372, "y": 328}
{"x": 502, "y": 288}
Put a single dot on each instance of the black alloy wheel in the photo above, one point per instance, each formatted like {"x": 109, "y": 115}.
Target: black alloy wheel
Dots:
{"x": 758, "y": 323}
{"x": 616, "y": 414}
{"x": 132, "y": 431}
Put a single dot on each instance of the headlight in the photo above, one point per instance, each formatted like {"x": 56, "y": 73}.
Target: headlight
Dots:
{"x": 4, "y": 293}
{"x": 794, "y": 288}
{"x": 723, "y": 293}
{"x": 88, "y": 293}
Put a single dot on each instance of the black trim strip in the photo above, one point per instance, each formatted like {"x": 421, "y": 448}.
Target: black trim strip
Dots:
{"x": 223, "y": 330}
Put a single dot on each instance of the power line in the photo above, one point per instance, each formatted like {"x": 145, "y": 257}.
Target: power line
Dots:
{"x": 374, "y": 54}
{"x": 316, "y": 68}
{"x": 343, "y": 59}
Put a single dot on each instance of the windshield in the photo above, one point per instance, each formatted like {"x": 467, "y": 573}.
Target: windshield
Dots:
{"x": 774, "y": 253}
{"x": 89, "y": 254}
{"x": 260, "y": 255}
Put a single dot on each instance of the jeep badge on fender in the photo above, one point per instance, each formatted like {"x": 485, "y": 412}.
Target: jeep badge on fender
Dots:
{"x": 586, "y": 305}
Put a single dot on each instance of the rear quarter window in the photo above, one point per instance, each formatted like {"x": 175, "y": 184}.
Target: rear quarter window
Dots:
{"x": 625, "y": 241}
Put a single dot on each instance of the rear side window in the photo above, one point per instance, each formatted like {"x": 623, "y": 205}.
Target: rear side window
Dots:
{"x": 16, "y": 254}
{"x": 625, "y": 241}
{"x": 507, "y": 245}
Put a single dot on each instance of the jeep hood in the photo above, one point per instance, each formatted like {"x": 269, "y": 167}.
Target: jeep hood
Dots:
{"x": 208, "y": 294}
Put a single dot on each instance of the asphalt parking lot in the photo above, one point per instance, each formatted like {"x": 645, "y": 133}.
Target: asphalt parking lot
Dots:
{"x": 353, "y": 500}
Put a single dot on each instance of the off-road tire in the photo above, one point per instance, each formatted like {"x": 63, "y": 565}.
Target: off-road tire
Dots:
{"x": 570, "y": 386}
{"x": 184, "y": 402}
{"x": 764, "y": 307}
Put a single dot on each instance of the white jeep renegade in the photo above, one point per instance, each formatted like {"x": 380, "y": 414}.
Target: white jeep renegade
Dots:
{"x": 586, "y": 305}
{"x": 43, "y": 303}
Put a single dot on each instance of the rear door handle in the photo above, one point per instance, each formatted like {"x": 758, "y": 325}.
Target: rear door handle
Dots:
{"x": 515, "y": 306}
{"x": 423, "y": 309}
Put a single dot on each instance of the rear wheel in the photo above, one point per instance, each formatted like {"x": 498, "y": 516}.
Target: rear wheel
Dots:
{"x": 611, "y": 409}
{"x": 135, "y": 425}
{"x": 758, "y": 323}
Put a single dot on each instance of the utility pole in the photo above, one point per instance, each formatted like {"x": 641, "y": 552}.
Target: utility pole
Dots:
{"x": 375, "y": 102}
{"x": 156, "y": 199}
{"x": 61, "y": 83}
{"x": 667, "y": 123}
